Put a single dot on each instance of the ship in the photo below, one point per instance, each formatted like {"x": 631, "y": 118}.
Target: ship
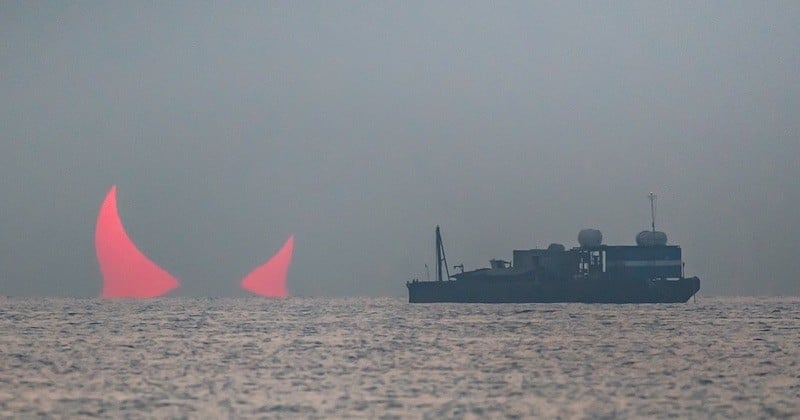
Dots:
{"x": 649, "y": 272}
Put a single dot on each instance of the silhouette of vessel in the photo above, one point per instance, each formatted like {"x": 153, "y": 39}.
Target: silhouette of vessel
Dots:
{"x": 649, "y": 272}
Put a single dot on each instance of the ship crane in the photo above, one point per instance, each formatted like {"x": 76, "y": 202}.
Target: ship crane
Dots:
{"x": 440, "y": 257}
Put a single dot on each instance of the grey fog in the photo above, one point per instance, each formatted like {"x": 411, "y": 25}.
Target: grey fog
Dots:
{"x": 359, "y": 126}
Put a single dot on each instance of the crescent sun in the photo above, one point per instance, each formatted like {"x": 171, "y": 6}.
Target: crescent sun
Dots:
{"x": 126, "y": 271}
{"x": 269, "y": 279}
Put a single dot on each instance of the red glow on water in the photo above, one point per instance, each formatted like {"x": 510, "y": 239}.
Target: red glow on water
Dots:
{"x": 127, "y": 273}
{"x": 270, "y": 279}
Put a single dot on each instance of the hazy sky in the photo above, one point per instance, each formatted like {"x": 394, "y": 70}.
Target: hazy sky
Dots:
{"x": 358, "y": 126}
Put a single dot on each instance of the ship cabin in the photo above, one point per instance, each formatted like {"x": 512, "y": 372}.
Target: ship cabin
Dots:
{"x": 603, "y": 261}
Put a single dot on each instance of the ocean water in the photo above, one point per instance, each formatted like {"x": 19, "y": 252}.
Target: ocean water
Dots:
{"x": 376, "y": 358}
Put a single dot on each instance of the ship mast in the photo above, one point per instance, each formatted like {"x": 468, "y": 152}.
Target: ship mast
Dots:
{"x": 440, "y": 257}
{"x": 652, "y": 198}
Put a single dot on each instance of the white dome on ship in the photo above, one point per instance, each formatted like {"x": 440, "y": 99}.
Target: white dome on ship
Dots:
{"x": 590, "y": 237}
{"x": 651, "y": 238}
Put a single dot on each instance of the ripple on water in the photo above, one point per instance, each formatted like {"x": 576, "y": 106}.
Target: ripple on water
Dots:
{"x": 731, "y": 357}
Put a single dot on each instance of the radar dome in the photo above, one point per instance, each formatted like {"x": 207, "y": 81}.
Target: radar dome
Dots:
{"x": 651, "y": 238}
{"x": 590, "y": 237}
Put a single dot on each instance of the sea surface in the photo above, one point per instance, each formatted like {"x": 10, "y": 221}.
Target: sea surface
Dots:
{"x": 385, "y": 358}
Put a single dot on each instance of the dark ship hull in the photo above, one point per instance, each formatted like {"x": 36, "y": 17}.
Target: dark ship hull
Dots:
{"x": 520, "y": 290}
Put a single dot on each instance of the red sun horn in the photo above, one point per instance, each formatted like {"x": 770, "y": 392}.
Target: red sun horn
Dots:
{"x": 127, "y": 273}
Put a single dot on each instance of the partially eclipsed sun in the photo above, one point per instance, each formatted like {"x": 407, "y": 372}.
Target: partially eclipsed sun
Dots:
{"x": 127, "y": 272}
{"x": 270, "y": 279}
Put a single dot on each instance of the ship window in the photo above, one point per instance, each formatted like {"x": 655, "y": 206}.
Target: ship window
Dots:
{"x": 603, "y": 260}
{"x": 594, "y": 258}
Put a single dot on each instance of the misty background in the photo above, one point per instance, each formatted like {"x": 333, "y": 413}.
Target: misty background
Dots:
{"x": 359, "y": 126}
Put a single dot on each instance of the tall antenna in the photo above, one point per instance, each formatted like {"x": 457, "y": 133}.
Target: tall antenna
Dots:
{"x": 652, "y": 198}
